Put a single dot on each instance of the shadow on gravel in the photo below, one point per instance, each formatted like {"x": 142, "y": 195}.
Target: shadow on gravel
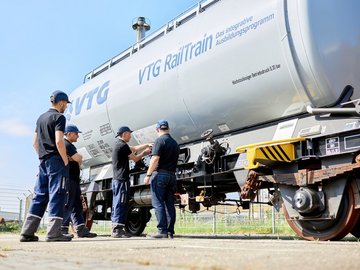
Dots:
{"x": 232, "y": 237}
{"x": 192, "y": 236}
{"x": 240, "y": 237}
{"x": 258, "y": 237}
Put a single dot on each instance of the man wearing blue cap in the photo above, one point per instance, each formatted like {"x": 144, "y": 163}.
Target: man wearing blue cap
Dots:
{"x": 53, "y": 172}
{"x": 121, "y": 154}
{"x": 161, "y": 176}
{"x": 73, "y": 206}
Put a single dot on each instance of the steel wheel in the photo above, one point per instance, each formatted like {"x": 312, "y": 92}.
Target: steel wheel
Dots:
{"x": 334, "y": 229}
{"x": 137, "y": 219}
{"x": 356, "y": 230}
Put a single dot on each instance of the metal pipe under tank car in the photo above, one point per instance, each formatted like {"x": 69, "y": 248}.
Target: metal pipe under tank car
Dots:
{"x": 143, "y": 196}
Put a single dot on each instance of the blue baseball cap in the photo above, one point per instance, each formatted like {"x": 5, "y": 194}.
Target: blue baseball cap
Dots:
{"x": 58, "y": 96}
{"x": 162, "y": 124}
{"x": 122, "y": 130}
{"x": 71, "y": 128}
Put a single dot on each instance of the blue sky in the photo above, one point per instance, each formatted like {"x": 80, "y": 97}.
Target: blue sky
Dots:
{"x": 46, "y": 45}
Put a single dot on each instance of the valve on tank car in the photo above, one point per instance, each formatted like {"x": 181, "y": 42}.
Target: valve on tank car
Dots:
{"x": 210, "y": 152}
{"x": 140, "y": 165}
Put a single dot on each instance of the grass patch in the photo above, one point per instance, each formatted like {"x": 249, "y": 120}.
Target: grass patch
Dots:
{"x": 10, "y": 228}
{"x": 202, "y": 223}
{"x": 16, "y": 228}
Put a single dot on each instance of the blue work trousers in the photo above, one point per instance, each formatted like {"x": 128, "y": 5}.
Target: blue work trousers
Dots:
{"x": 163, "y": 187}
{"x": 50, "y": 188}
{"x": 120, "y": 203}
{"x": 73, "y": 205}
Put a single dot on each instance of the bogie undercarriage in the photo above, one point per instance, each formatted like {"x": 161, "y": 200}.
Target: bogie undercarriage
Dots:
{"x": 315, "y": 181}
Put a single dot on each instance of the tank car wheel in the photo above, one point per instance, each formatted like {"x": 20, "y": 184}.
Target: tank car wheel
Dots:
{"x": 356, "y": 230}
{"x": 137, "y": 219}
{"x": 334, "y": 229}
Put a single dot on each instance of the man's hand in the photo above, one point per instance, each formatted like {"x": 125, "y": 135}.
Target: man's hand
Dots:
{"x": 147, "y": 151}
{"x": 147, "y": 180}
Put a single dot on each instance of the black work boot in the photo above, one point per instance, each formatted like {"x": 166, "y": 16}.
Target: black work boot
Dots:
{"x": 83, "y": 232}
{"x": 65, "y": 231}
{"x": 29, "y": 228}
{"x": 54, "y": 231}
{"x": 119, "y": 232}
{"x": 28, "y": 238}
{"x": 60, "y": 238}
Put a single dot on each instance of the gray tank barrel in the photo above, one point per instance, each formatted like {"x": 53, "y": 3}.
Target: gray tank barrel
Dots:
{"x": 189, "y": 73}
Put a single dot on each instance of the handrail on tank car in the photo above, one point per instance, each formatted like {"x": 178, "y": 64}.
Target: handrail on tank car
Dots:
{"x": 169, "y": 26}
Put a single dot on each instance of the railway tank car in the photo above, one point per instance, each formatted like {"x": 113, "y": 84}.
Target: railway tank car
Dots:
{"x": 259, "y": 94}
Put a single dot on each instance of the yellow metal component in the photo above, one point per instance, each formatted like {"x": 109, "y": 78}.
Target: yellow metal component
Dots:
{"x": 200, "y": 198}
{"x": 268, "y": 152}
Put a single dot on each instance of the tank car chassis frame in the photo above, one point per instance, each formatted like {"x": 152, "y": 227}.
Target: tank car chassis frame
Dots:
{"x": 318, "y": 189}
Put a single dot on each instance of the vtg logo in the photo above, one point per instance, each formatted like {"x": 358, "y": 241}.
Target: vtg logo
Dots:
{"x": 98, "y": 95}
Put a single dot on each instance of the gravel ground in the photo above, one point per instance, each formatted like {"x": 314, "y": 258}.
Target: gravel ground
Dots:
{"x": 182, "y": 252}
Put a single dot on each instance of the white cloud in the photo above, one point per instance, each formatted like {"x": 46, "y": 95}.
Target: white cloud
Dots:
{"x": 16, "y": 127}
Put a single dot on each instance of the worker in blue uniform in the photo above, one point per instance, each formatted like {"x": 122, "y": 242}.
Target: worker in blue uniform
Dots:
{"x": 162, "y": 179}
{"x": 121, "y": 154}
{"x": 73, "y": 205}
{"x": 50, "y": 186}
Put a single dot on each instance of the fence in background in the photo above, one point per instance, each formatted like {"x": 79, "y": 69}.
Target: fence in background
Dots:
{"x": 14, "y": 202}
{"x": 221, "y": 219}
